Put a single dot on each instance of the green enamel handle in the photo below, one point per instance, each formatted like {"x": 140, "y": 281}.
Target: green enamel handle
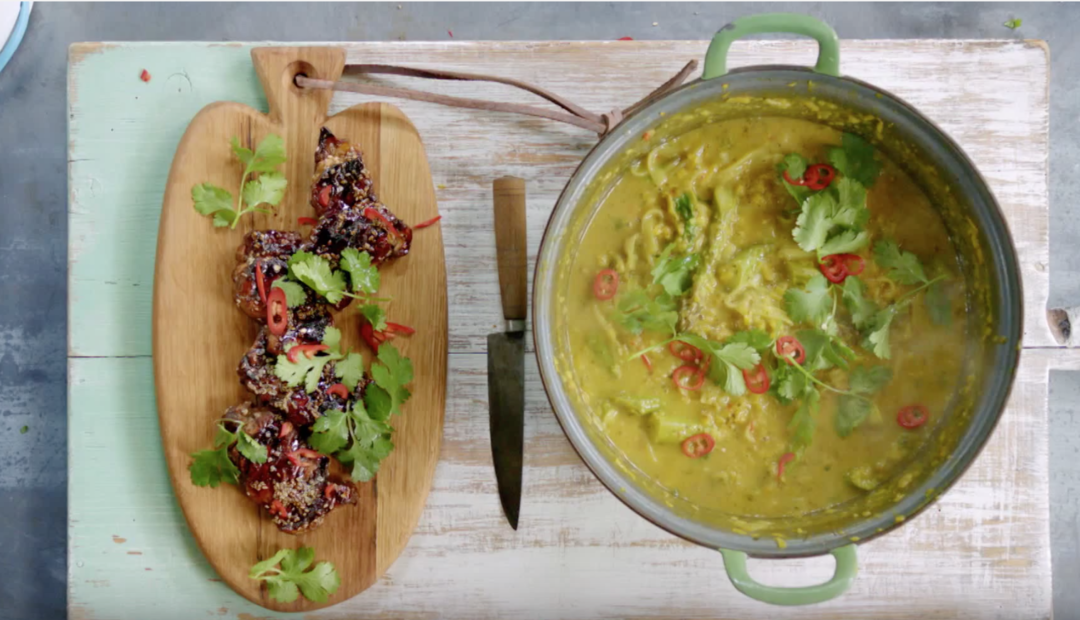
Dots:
{"x": 846, "y": 568}
{"x": 828, "y": 60}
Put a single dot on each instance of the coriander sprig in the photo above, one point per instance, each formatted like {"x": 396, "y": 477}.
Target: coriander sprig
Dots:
{"x": 287, "y": 581}
{"x": 268, "y": 188}
{"x": 212, "y": 467}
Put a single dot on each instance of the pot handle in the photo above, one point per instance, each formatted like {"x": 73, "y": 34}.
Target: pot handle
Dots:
{"x": 828, "y": 60}
{"x": 846, "y": 568}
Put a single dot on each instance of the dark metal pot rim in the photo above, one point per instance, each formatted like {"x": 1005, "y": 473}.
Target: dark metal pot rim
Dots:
{"x": 648, "y": 507}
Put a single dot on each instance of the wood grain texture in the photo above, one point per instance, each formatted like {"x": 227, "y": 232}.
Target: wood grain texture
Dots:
{"x": 981, "y": 551}
{"x": 511, "y": 251}
{"x": 199, "y": 335}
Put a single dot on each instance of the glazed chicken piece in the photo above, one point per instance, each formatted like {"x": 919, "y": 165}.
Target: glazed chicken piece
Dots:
{"x": 341, "y": 179}
{"x": 268, "y": 250}
{"x": 294, "y": 484}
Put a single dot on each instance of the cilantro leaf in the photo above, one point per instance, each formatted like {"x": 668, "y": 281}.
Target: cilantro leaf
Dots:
{"x": 862, "y": 309}
{"x": 802, "y": 423}
{"x": 937, "y": 304}
{"x": 636, "y": 311}
{"x": 877, "y": 338}
{"x": 854, "y": 158}
{"x": 904, "y": 267}
{"x": 795, "y": 165}
{"x": 675, "y": 274}
{"x": 755, "y": 338}
{"x": 242, "y": 153}
{"x": 823, "y": 350}
{"x": 378, "y": 402}
{"x": 350, "y": 370}
{"x": 788, "y": 384}
{"x": 375, "y": 315}
{"x": 392, "y": 373}
{"x": 363, "y": 276}
{"x": 330, "y": 432}
{"x": 285, "y": 584}
{"x": 813, "y": 304}
{"x": 212, "y": 467}
{"x": 314, "y": 271}
{"x": 332, "y": 339}
{"x": 684, "y": 207}
{"x": 1013, "y": 24}
{"x": 249, "y": 448}
{"x": 729, "y": 377}
{"x": 851, "y": 198}
{"x": 728, "y": 360}
{"x": 309, "y": 370}
{"x": 295, "y": 295}
{"x": 212, "y": 200}
{"x": 851, "y": 411}
{"x": 844, "y": 242}
{"x": 870, "y": 379}
{"x": 268, "y": 155}
{"x": 815, "y": 221}
{"x": 269, "y": 188}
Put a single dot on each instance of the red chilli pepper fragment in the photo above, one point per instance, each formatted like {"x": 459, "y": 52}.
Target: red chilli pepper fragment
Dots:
{"x": 808, "y": 178}
{"x": 688, "y": 377}
{"x": 306, "y": 221}
{"x": 260, "y": 281}
{"x": 788, "y": 348}
{"x": 145, "y": 75}
{"x": 371, "y": 337}
{"x": 286, "y": 428}
{"x": 340, "y": 390}
{"x": 785, "y": 458}
{"x": 697, "y": 446}
{"x": 398, "y": 328}
{"x": 309, "y": 351}
{"x": 324, "y": 195}
{"x": 648, "y": 364}
{"x": 277, "y": 312}
{"x": 626, "y": 38}
{"x": 837, "y": 267}
{"x": 685, "y": 352}
{"x": 427, "y": 223}
{"x": 823, "y": 175}
{"x": 606, "y": 284}
{"x": 373, "y": 214}
{"x": 757, "y": 379}
{"x": 913, "y": 416}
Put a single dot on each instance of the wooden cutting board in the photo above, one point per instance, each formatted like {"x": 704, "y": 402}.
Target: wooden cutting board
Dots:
{"x": 199, "y": 335}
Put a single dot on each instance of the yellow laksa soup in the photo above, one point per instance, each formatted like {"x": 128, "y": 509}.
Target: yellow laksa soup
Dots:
{"x": 765, "y": 317}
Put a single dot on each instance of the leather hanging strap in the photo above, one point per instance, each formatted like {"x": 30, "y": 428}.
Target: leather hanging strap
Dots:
{"x": 569, "y": 112}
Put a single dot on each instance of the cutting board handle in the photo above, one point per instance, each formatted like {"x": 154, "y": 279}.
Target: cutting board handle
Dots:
{"x": 301, "y": 111}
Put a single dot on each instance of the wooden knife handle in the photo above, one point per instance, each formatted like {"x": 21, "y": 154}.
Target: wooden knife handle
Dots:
{"x": 509, "y": 195}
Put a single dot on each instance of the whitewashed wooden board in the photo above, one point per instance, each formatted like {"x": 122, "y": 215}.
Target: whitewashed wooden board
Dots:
{"x": 982, "y": 551}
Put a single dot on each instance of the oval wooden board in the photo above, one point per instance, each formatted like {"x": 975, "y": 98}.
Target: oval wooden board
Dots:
{"x": 200, "y": 336}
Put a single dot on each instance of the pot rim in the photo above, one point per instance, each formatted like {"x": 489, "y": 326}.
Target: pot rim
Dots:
{"x": 941, "y": 480}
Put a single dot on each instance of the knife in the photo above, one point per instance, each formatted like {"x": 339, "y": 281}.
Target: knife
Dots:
{"x": 506, "y": 351}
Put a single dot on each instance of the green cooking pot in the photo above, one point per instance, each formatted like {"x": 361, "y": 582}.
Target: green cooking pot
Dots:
{"x": 975, "y": 223}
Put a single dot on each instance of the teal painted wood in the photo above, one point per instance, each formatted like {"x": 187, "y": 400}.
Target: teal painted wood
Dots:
{"x": 131, "y": 553}
{"x": 117, "y": 122}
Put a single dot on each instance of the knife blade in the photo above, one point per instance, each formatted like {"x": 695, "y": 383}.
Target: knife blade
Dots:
{"x": 506, "y": 350}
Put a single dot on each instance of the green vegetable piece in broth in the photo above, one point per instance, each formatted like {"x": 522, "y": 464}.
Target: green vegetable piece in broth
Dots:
{"x": 669, "y": 429}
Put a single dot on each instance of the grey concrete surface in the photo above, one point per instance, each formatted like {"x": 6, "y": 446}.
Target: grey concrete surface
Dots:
{"x": 33, "y": 199}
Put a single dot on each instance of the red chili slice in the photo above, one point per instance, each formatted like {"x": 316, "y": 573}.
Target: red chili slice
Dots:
{"x": 685, "y": 352}
{"x": 277, "y": 312}
{"x": 785, "y": 458}
{"x": 697, "y": 446}
{"x": 308, "y": 453}
{"x": 809, "y": 177}
{"x": 913, "y": 416}
{"x": 145, "y": 75}
{"x": 324, "y": 195}
{"x": 286, "y": 428}
{"x": 833, "y": 268}
{"x": 372, "y": 213}
{"x": 398, "y": 328}
{"x": 757, "y": 379}
{"x": 648, "y": 364}
{"x": 823, "y": 175}
{"x": 368, "y": 333}
{"x": 606, "y": 284}
{"x": 260, "y": 280}
{"x": 306, "y": 221}
{"x": 427, "y": 223}
{"x": 788, "y": 347}
{"x": 684, "y": 374}
{"x": 340, "y": 390}
{"x": 309, "y": 351}
{"x": 853, "y": 263}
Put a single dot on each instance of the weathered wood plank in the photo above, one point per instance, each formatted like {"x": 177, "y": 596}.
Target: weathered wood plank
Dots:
{"x": 980, "y": 552}
{"x": 990, "y": 96}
